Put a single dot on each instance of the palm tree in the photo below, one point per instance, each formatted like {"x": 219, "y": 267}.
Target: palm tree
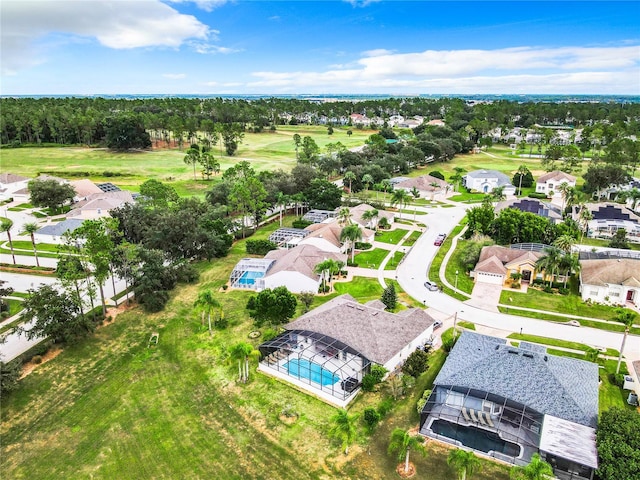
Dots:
{"x": 569, "y": 262}
{"x": 352, "y": 234}
{"x": 386, "y": 186}
{"x": 192, "y": 158}
{"x": 565, "y": 243}
{"x": 206, "y": 303}
{"x": 584, "y": 217}
{"x": 350, "y": 177}
{"x": 400, "y": 197}
{"x": 5, "y": 227}
{"x": 282, "y": 200}
{"x": 367, "y": 180}
{"x": 537, "y": 469}
{"x": 626, "y": 317}
{"x": 344, "y": 216}
{"x": 327, "y": 268}
{"x": 343, "y": 429}
{"x": 464, "y": 462}
{"x": 370, "y": 215}
{"x": 241, "y": 351}
{"x": 31, "y": 229}
{"x": 549, "y": 263}
{"x": 402, "y": 442}
{"x": 433, "y": 186}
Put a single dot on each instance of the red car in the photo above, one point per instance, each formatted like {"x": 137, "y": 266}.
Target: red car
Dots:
{"x": 440, "y": 239}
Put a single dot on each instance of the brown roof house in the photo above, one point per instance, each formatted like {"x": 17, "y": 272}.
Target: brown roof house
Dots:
{"x": 98, "y": 205}
{"x": 496, "y": 264}
{"x": 611, "y": 280}
{"x": 326, "y": 236}
{"x": 358, "y": 211}
{"x": 295, "y": 268}
{"x": 427, "y": 185}
{"x": 328, "y": 350}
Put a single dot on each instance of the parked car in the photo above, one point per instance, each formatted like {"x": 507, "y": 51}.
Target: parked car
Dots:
{"x": 440, "y": 239}
{"x": 437, "y": 324}
{"x": 431, "y": 286}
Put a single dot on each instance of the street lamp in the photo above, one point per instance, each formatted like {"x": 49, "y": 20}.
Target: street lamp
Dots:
{"x": 456, "y": 283}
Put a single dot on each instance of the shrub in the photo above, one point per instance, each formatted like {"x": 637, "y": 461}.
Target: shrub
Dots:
{"x": 422, "y": 401}
{"x": 300, "y": 223}
{"x": 37, "y": 359}
{"x": 416, "y": 363}
{"x": 547, "y": 289}
{"x": 617, "y": 379}
{"x": 537, "y": 195}
{"x": 363, "y": 246}
{"x": 378, "y": 372}
{"x": 260, "y": 247}
{"x": 221, "y": 323}
{"x": 187, "y": 273}
{"x": 269, "y": 334}
{"x": 383, "y": 223}
{"x": 437, "y": 174}
{"x": 368, "y": 383}
{"x": 385, "y": 406}
{"x": 563, "y": 291}
{"x": 371, "y": 418}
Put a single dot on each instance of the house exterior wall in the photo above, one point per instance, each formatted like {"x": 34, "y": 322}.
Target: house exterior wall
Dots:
{"x": 401, "y": 356}
{"x": 294, "y": 281}
{"x": 616, "y": 294}
{"x": 492, "y": 278}
{"x": 550, "y": 187}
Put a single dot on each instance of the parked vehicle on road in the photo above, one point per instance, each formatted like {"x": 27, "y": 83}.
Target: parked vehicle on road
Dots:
{"x": 440, "y": 239}
{"x": 431, "y": 286}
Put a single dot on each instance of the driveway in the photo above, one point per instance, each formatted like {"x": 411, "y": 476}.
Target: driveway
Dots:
{"x": 485, "y": 296}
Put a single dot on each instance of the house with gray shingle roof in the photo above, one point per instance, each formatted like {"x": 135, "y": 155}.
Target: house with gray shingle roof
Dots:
{"x": 328, "y": 350}
{"x": 486, "y": 181}
{"x": 511, "y": 402}
{"x": 611, "y": 280}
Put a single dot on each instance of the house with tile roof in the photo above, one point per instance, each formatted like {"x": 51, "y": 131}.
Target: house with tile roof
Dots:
{"x": 497, "y": 263}
{"x": 98, "y": 205}
{"x": 328, "y": 350}
{"x": 326, "y": 236}
{"x": 486, "y": 181}
{"x": 511, "y": 402}
{"x": 295, "y": 268}
{"x": 611, "y": 280}
{"x": 358, "y": 211}
{"x": 427, "y": 185}
{"x": 549, "y": 183}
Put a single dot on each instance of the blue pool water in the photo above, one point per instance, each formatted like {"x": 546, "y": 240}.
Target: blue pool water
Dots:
{"x": 476, "y": 438}
{"x": 311, "y": 371}
{"x": 249, "y": 278}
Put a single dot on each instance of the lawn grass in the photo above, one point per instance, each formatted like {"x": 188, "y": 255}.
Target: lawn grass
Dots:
{"x": 363, "y": 289}
{"x": 371, "y": 258}
{"x": 15, "y": 305}
{"x": 40, "y": 247}
{"x": 560, "y": 343}
{"x": 450, "y": 272}
{"x": 464, "y": 281}
{"x": 551, "y": 302}
{"x": 393, "y": 262}
{"x": 391, "y": 236}
{"x": 412, "y": 239}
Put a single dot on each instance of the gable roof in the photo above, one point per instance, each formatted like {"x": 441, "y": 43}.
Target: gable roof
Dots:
{"x": 620, "y": 271}
{"x": 59, "y": 228}
{"x": 423, "y": 182}
{"x": 503, "y": 180}
{"x": 491, "y": 265}
{"x": 508, "y": 255}
{"x": 609, "y": 211}
{"x": 302, "y": 259}
{"x": 85, "y": 187}
{"x": 560, "y": 386}
{"x": 377, "y": 335}
{"x": 330, "y": 232}
{"x": 358, "y": 211}
{"x": 7, "y": 178}
{"x": 556, "y": 176}
{"x": 531, "y": 205}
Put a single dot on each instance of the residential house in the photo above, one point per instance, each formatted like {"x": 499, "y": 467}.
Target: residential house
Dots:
{"x": 326, "y": 236}
{"x": 607, "y": 218}
{"x": 550, "y": 182}
{"x": 13, "y": 186}
{"x": 358, "y": 211}
{"x": 486, "y": 181}
{"x": 511, "y": 402}
{"x": 295, "y": 268}
{"x": 610, "y": 280}
{"x": 532, "y": 205}
{"x": 98, "y": 205}
{"x": 84, "y": 188}
{"x": 327, "y": 351}
{"x": 496, "y": 264}
{"x": 427, "y": 185}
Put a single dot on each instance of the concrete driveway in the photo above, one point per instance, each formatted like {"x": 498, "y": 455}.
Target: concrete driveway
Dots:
{"x": 485, "y": 296}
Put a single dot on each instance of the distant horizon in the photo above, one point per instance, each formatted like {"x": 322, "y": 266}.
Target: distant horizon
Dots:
{"x": 280, "y": 47}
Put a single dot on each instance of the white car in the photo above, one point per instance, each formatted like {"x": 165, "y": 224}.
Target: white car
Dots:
{"x": 431, "y": 286}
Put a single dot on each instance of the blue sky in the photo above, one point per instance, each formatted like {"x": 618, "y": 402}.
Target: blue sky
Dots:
{"x": 88, "y": 47}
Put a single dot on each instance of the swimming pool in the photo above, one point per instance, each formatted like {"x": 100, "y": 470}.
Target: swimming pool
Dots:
{"x": 476, "y": 438}
{"x": 249, "y": 277}
{"x": 311, "y": 371}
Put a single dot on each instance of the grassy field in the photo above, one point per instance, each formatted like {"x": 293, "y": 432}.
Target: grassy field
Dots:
{"x": 265, "y": 151}
{"x": 391, "y": 236}
{"x": 371, "y": 258}
{"x": 392, "y": 264}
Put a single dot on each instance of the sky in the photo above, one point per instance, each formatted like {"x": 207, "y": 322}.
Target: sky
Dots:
{"x": 92, "y": 47}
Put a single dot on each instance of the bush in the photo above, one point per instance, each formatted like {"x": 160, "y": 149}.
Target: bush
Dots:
{"x": 247, "y": 233}
{"x": 300, "y": 223}
{"x": 363, "y": 246}
{"x": 368, "y": 383}
{"x": 269, "y": 334}
{"x": 617, "y": 379}
{"x": 437, "y": 174}
{"x": 385, "y": 406}
{"x": 563, "y": 291}
{"x": 260, "y": 247}
{"x": 537, "y": 195}
{"x": 378, "y": 372}
{"x": 422, "y": 401}
{"x": 371, "y": 418}
{"x": 37, "y": 359}
{"x": 153, "y": 302}
{"x": 221, "y": 323}
{"x": 187, "y": 273}
{"x": 416, "y": 363}
{"x": 547, "y": 289}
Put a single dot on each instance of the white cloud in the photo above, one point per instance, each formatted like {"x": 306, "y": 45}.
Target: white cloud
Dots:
{"x": 206, "y": 5}
{"x": 123, "y": 24}
{"x": 361, "y": 3}
{"x": 207, "y": 48}
{"x": 522, "y": 69}
{"x": 174, "y": 76}
{"x": 377, "y": 52}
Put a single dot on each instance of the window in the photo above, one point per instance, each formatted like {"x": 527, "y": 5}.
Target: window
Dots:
{"x": 614, "y": 294}
{"x": 593, "y": 293}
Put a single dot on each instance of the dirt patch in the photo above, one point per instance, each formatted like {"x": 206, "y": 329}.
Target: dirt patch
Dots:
{"x": 410, "y": 472}
{"x": 27, "y": 368}
{"x": 113, "y": 312}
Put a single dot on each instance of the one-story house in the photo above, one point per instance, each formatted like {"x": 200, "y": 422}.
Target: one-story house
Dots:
{"x": 98, "y": 205}
{"x": 511, "y": 402}
{"x": 358, "y": 211}
{"x": 328, "y": 350}
{"x": 608, "y": 218}
{"x": 11, "y": 183}
{"x": 295, "y": 268}
{"x": 427, "y": 185}
{"x": 84, "y": 188}
{"x": 549, "y": 183}
{"x": 326, "y": 236}
{"x": 486, "y": 181}
{"x": 611, "y": 280}
{"x": 532, "y": 205}
{"x": 496, "y": 264}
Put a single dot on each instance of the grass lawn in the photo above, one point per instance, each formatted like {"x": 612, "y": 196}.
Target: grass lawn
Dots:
{"x": 41, "y": 247}
{"x": 412, "y": 239}
{"x": 391, "y": 236}
{"x": 362, "y": 288}
{"x": 371, "y": 258}
{"x": 392, "y": 264}
{"x": 14, "y": 306}
{"x": 598, "y": 242}
{"x": 560, "y": 343}
{"x": 465, "y": 282}
{"x": 434, "y": 268}
{"x": 550, "y": 302}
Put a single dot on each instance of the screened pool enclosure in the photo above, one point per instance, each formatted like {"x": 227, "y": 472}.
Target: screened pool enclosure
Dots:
{"x": 249, "y": 272}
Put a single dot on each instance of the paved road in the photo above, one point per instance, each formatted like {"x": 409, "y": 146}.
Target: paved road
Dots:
{"x": 413, "y": 272}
